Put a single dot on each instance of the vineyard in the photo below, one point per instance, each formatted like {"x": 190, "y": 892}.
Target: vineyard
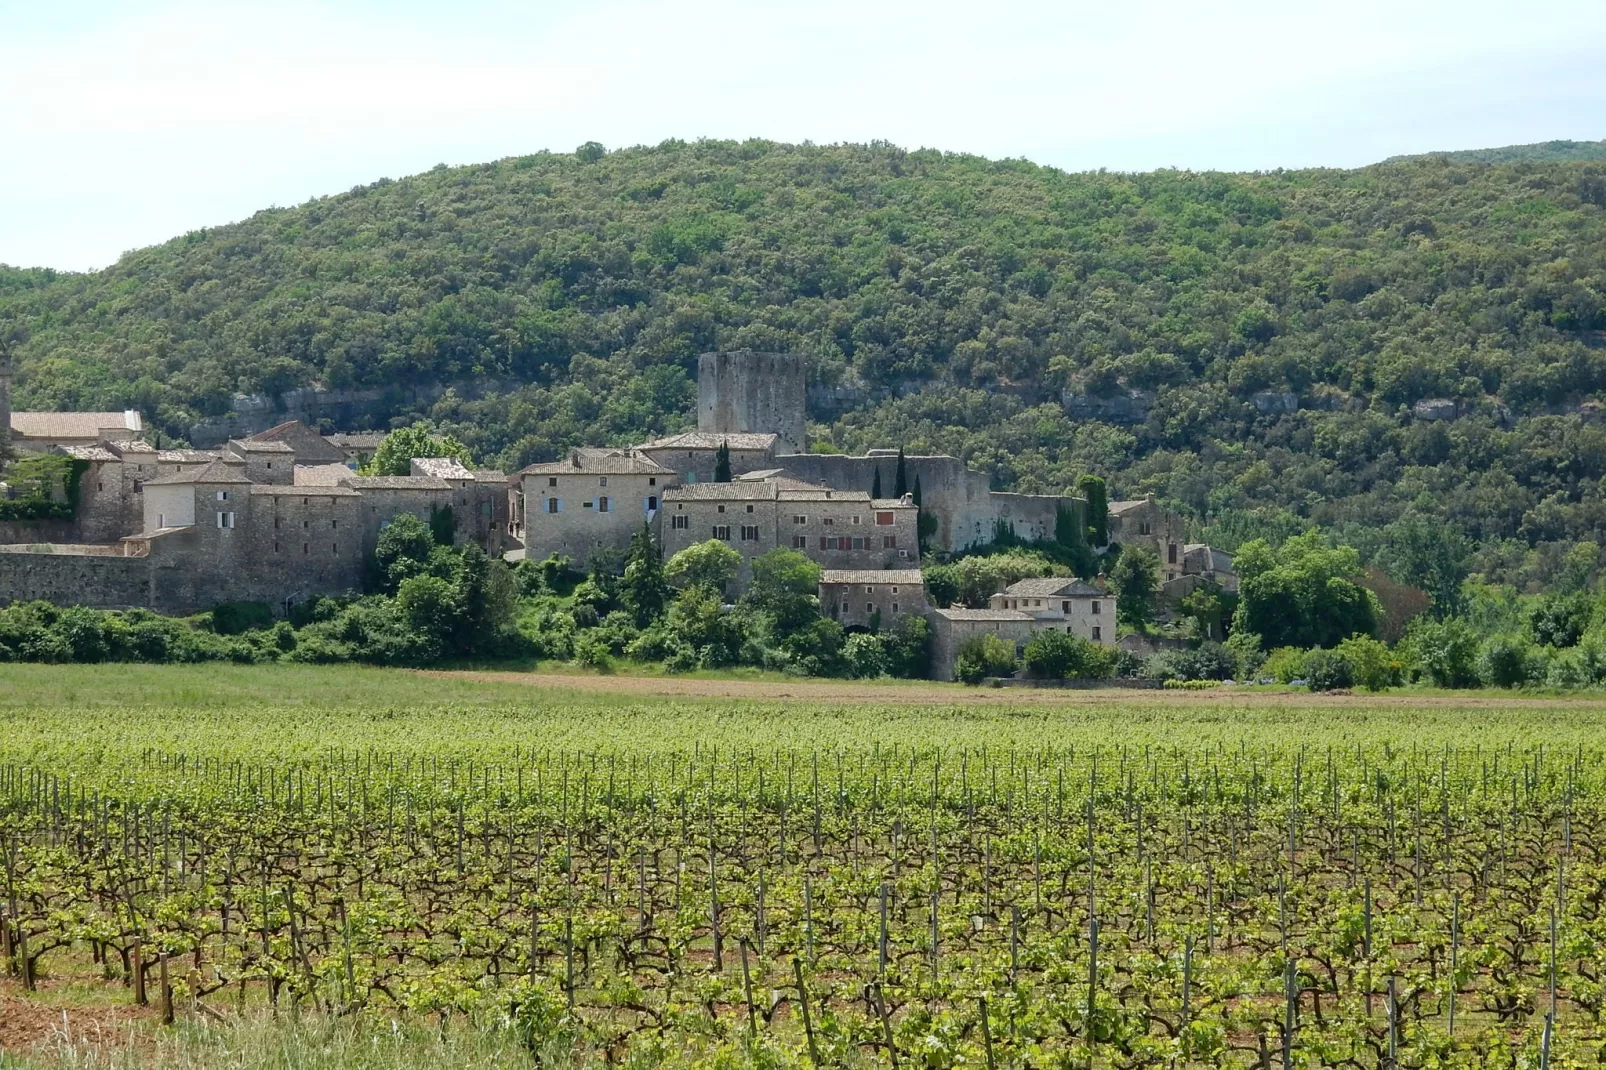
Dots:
{"x": 631, "y": 882}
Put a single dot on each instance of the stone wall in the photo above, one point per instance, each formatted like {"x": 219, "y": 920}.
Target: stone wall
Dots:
{"x": 1033, "y": 516}
{"x": 747, "y": 391}
{"x": 959, "y": 498}
{"x": 37, "y": 531}
{"x": 69, "y": 579}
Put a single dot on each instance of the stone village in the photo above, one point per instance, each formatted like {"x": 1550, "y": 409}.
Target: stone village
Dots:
{"x": 282, "y": 515}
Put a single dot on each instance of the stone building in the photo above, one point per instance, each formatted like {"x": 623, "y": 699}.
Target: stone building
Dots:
{"x": 1142, "y": 522}
{"x": 1061, "y": 603}
{"x": 867, "y": 598}
{"x": 693, "y": 455}
{"x": 836, "y": 528}
{"x": 41, "y": 432}
{"x": 745, "y": 391}
{"x": 591, "y": 500}
{"x": 952, "y": 628}
{"x": 310, "y": 447}
{"x": 266, "y": 460}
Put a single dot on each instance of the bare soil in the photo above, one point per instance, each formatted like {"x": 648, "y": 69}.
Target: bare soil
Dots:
{"x": 47, "y": 1020}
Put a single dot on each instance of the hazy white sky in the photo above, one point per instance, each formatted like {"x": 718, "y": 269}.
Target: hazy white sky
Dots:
{"x": 126, "y": 122}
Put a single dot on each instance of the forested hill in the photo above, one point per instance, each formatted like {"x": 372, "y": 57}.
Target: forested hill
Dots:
{"x": 1538, "y": 152}
{"x": 1278, "y": 329}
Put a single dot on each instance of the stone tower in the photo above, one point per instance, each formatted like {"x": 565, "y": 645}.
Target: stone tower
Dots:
{"x": 758, "y": 392}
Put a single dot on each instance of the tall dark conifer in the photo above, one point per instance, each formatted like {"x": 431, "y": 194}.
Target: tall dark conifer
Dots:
{"x": 722, "y": 463}
{"x": 875, "y": 484}
{"x": 900, "y": 479}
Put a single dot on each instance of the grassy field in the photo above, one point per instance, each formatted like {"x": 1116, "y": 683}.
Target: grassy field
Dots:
{"x": 364, "y": 867}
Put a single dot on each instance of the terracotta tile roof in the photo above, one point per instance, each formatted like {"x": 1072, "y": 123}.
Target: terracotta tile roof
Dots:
{"x": 359, "y": 440}
{"x": 185, "y": 456}
{"x": 215, "y": 472}
{"x": 1053, "y": 587}
{"x": 596, "y": 462}
{"x": 1117, "y": 508}
{"x": 310, "y": 447}
{"x": 985, "y": 614}
{"x": 489, "y": 475}
{"x": 258, "y": 445}
{"x": 396, "y": 482}
{"x": 130, "y": 445}
{"x": 443, "y": 467}
{"x": 901, "y": 576}
{"x": 304, "y": 491}
{"x": 770, "y": 490}
{"x": 73, "y": 424}
{"x": 321, "y": 475}
{"x": 91, "y": 453}
{"x": 711, "y": 440}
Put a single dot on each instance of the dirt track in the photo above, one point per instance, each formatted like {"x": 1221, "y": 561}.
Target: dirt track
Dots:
{"x": 934, "y": 694}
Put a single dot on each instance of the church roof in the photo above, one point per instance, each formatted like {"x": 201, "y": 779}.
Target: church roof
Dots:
{"x": 73, "y": 424}
{"x": 712, "y": 440}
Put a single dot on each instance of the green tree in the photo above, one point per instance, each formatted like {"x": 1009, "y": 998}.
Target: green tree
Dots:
{"x": 875, "y": 483}
{"x": 643, "y": 588}
{"x": 1060, "y": 656}
{"x": 982, "y": 656}
{"x": 1092, "y": 490}
{"x": 1135, "y": 578}
{"x": 1304, "y": 593}
{"x": 405, "y": 548}
{"x": 900, "y": 476}
{"x": 1446, "y": 650}
{"x": 712, "y": 564}
{"x": 1373, "y": 665}
{"x": 396, "y": 454}
{"x": 785, "y": 588}
{"x": 722, "y": 463}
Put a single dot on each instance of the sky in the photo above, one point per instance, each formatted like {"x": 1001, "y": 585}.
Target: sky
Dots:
{"x": 127, "y": 122}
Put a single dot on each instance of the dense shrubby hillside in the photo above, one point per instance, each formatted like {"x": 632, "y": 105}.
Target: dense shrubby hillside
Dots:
{"x": 1537, "y": 152}
{"x": 957, "y": 299}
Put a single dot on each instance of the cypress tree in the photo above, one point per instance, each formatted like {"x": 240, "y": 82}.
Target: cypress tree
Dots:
{"x": 722, "y": 463}
{"x": 1098, "y": 509}
{"x": 900, "y": 479}
{"x": 875, "y": 484}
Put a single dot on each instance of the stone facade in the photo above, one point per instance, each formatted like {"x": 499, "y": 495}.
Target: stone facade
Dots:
{"x": 1062, "y": 604}
{"x": 951, "y": 628}
{"x": 859, "y": 599}
{"x": 1142, "y": 522}
{"x": 591, "y": 500}
{"x": 747, "y": 391}
{"x": 837, "y": 529}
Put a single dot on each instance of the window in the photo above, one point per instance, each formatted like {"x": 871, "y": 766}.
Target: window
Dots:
{"x": 551, "y": 481}
{"x": 1098, "y": 607}
{"x": 602, "y": 504}
{"x": 652, "y": 481}
{"x": 652, "y": 502}
{"x": 602, "y": 481}
{"x": 680, "y": 522}
{"x": 1065, "y": 607}
{"x": 858, "y": 542}
{"x": 588, "y": 504}
{"x": 222, "y": 495}
{"x": 1171, "y": 554}
{"x": 894, "y": 590}
{"x": 1143, "y": 528}
{"x": 225, "y": 521}
{"x": 749, "y": 508}
{"x": 829, "y": 522}
{"x": 554, "y": 505}
{"x": 306, "y": 549}
{"x": 800, "y": 520}
{"x": 722, "y": 531}
{"x": 883, "y": 519}
{"x": 100, "y": 487}
{"x": 903, "y": 553}
{"x": 749, "y": 532}
{"x": 270, "y": 466}
{"x": 721, "y": 508}
{"x": 1098, "y": 633}
{"x": 889, "y": 542}
{"x": 276, "y": 546}
{"x": 868, "y": 589}
{"x": 306, "y": 523}
{"x": 869, "y": 607}
{"x": 856, "y": 518}
{"x": 276, "y": 523}
{"x": 333, "y": 524}
{"x": 800, "y": 542}
{"x": 894, "y": 607}
{"x": 335, "y": 549}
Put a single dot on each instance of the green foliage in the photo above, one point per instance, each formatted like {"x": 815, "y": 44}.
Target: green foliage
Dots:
{"x": 233, "y": 618}
{"x": 1446, "y": 650}
{"x": 43, "y": 486}
{"x": 1135, "y": 577}
{"x": 397, "y": 453}
{"x": 1560, "y": 621}
{"x": 405, "y": 548}
{"x": 1303, "y": 593}
{"x": 982, "y": 656}
{"x": 1060, "y": 656}
{"x": 900, "y": 476}
{"x": 1092, "y": 488}
{"x": 722, "y": 463}
{"x": 442, "y": 524}
{"x": 712, "y": 564}
{"x": 1372, "y": 664}
{"x": 1210, "y": 661}
{"x": 1285, "y": 664}
{"x": 1538, "y": 152}
{"x": 974, "y": 578}
{"x": 785, "y": 589}
{"x": 643, "y": 590}
{"x": 1509, "y": 661}
{"x": 1328, "y": 670}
